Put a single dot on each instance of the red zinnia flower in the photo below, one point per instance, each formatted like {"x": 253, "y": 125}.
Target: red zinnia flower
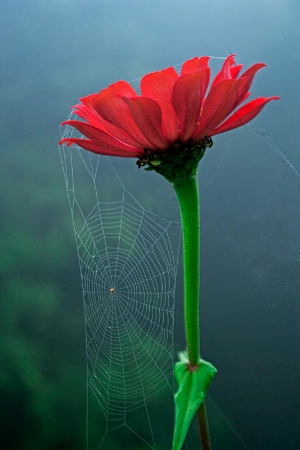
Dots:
{"x": 171, "y": 109}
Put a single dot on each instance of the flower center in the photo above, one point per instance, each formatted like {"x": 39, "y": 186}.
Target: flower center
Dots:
{"x": 179, "y": 161}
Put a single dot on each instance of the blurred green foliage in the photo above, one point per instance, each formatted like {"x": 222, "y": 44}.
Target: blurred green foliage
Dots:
{"x": 42, "y": 331}
{"x": 42, "y": 344}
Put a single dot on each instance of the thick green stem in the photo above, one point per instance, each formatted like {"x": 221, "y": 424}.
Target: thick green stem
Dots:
{"x": 179, "y": 167}
{"x": 188, "y": 196}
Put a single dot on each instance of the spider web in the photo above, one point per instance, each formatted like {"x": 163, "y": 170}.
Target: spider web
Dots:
{"x": 128, "y": 261}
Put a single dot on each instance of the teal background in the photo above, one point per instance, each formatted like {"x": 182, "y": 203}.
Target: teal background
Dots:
{"x": 51, "y": 54}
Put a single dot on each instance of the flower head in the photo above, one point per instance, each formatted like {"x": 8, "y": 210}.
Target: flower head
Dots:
{"x": 172, "y": 111}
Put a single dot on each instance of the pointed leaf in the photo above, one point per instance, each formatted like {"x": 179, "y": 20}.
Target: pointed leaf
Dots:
{"x": 192, "y": 386}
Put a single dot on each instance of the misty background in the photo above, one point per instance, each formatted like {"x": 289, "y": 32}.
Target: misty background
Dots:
{"x": 54, "y": 52}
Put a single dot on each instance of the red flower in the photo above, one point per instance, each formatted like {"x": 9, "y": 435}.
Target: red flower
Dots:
{"x": 171, "y": 109}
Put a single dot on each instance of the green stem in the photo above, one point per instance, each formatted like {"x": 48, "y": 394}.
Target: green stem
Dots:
{"x": 188, "y": 196}
{"x": 187, "y": 192}
{"x": 179, "y": 166}
{"x": 203, "y": 427}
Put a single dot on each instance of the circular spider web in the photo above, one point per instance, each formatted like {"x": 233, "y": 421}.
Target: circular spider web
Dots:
{"x": 128, "y": 262}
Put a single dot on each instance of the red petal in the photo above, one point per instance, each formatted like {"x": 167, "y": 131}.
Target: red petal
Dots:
{"x": 218, "y": 105}
{"x": 87, "y": 111}
{"x": 148, "y": 117}
{"x": 114, "y": 111}
{"x": 87, "y": 102}
{"x": 159, "y": 87}
{"x": 99, "y": 137}
{"x": 88, "y": 130}
{"x": 192, "y": 65}
{"x": 235, "y": 70}
{"x": 188, "y": 94}
{"x": 95, "y": 147}
{"x": 249, "y": 73}
{"x": 252, "y": 70}
{"x": 119, "y": 88}
{"x": 244, "y": 114}
{"x": 225, "y": 72}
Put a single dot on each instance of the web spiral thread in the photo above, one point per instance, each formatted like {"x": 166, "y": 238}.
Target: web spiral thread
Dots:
{"x": 128, "y": 262}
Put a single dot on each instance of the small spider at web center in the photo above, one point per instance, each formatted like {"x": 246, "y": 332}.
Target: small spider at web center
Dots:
{"x": 112, "y": 290}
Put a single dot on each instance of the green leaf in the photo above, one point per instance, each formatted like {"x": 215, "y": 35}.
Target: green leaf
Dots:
{"x": 192, "y": 386}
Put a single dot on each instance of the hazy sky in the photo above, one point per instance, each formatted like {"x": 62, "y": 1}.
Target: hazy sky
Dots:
{"x": 53, "y": 53}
